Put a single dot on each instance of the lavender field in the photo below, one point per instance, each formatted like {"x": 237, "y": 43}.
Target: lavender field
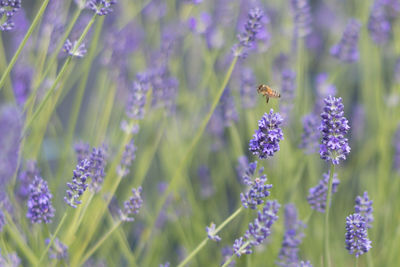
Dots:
{"x": 200, "y": 133}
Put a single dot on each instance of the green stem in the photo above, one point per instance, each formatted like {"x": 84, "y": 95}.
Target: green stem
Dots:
{"x": 99, "y": 243}
{"x": 327, "y": 258}
{"x": 53, "y": 237}
{"x": 356, "y": 262}
{"x": 226, "y": 263}
{"x": 205, "y": 240}
{"x": 21, "y": 46}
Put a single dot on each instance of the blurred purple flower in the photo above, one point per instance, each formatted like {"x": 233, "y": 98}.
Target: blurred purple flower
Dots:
{"x": 288, "y": 85}
{"x": 166, "y": 264}
{"x": 39, "y": 202}
{"x": 347, "y": 48}
{"x": 2, "y": 220}
{"x": 317, "y": 195}
{"x": 311, "y": 135}
{"x": 378, "y": 23}
{"x": 10, "y": 260}
{"x": 228, "y": 108}
{"x": 136, "y": 101}
{"x": 334, "y": 126}
{"x": 73, "y": 50}
{"x": 128, "y": 157}
{"x": 357, "y": 241}
{"x": 200, "y": 25}
{"x": 305, "y": 264}
{"x": 82, "y": 151}
{"x": 211, "y": 233}
{"x": 101, "y": 7}
{"x": 359, "y": 116}
{"x": 242, "y": 167}
{"x": 206, "y": 185}
{"x": 132, "y": 206}
{"x": 248, "y": 95}
{"x": 289, "y": 253}
{"x": 265, "y": 142}
{"x": 363, "y": 206}
{"x": 302, "y": 17}
{"x": 227, "y": 253}
{"x": 79, "y": 184}
{"x": 97, "y": 165}
{"x": 7, "y": 10}
{"x": 57, "y": 250}
{"x": 22, "y": 76}
{"x": 324, "y": 89}
{"x": 26, "y": 177}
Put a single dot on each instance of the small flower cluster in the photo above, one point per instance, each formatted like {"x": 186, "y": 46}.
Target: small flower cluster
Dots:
{"x": 248, "y": 95}
{"x": 302, "y": 17}
{"x": 57, "y": 250}
{"x": 317, "y": 195}
{"x": 39, "y": 202}
{"x": 82, "y": 151}
{"x": 227, "y": 107}
{"x": 79, "y": 183}
{"x": 258, "y": 230}
{"x": 288, "y": 85}
{"x": 357, "y": 241}
{"x": 7, "y": 10}
{"x": 73, "y": 49}
{"x": 136, "y": 101}
{"x": 2, "y": 220}
{"x": 363, "y": 206}
{"x": 211, "y": 233}
{"x": 132, "y": 206}
{"x": 378, "y": 23}
{"x": 101, "y": 7}
{"x": 11, "y": 259}
{"x": 266, "y": 139}
{"x": 334, "y": 127}
{"x": 26, "y": 177}
{"x": 347, "y": 50}
{"x": 128, "y": 157}
{"x": 248, "y": 37}
{"x": 257, "y": 187}
{"x": 97, "y": 165}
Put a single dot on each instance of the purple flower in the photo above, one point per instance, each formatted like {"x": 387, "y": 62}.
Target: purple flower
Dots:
{"x": 324, "y": 89}
{"x": 317, "y": 195}
{"x": 258, "y": 230}
{"x": 10, "y": 132}
{"x": 136, "y": 101}
{"x": 2, "y": 220}
{"x": 363, "y": 206}
{"x": 357, "y": 241}
{"x": 164, "y": 264}
{"x": 132, "y": 206}
{"x": 266, "y": 139}
{"x": 211, "y": 233}
{"x": 242, "y": 167}
{"x": 26, "y": 177}
{"x": 257, "y": 187}
{"x": 396, "y": 144}
{"x": 79, "y": 183}
{"x": 305, "y": 264}
{"x": 201, "y": 25}
{"x": 39, "y": 202}
{"x": 228, "y": 109}
{"x": 73, "y": 49}
{"x": 128, "y": 157}
{"x": 288, "y": 85}
{"x": 11, "y": 260}
{"x": 248, "y": 37}
{"x": 302, "y": 17}
{"x": 82, "y": 151}
{"x": 206, "y": 185}
{"x": 22, "y": 77}
{"x": 248, "y": 95}
{"x": 101, "y": 7}
{"x": 98, "y": 163}
{"x": 346, "y": 50}
{"x": 57, "y": 250}
{"x": 310, "y": 136}
{"x": 334, "y": 145}
{"x": 227, "y": 253}
{"x": 378, "y": 23}
{"x": 7, "y": 10}
{"x": 288, "y": 254}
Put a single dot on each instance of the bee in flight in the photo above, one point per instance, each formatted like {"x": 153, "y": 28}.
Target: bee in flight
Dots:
{"x": 266, "y": 91}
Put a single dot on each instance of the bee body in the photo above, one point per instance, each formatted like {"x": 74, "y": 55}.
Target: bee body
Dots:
{"x": 266, "y": 91}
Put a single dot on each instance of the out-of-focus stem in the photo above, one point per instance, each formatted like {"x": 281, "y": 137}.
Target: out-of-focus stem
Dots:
{"x": 327, "y": 258}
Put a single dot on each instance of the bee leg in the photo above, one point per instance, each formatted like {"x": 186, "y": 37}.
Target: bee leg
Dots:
{"x": 267, "y": 99}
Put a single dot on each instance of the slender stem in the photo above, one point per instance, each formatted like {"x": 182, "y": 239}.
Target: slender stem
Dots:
{"x": 100, "y": 242}
{"x": 205, "y": 240}
{"x": 327, "y": 258}
{"x": 21, "y": 46}
{"x": 226, "y": 263}
{"x": 53, "y": 237}
{"x": 356, "y": 262}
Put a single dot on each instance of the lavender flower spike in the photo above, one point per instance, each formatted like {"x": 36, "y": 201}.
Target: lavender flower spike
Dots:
{"x": 132, "y": 206}
{"x": 97, "y": 166}
{"x": 39, "y": 202}
{"x": 101, "y": 7}
{"x": 2, "y": 220}
{"x": 57, "y": 250}
{"x": 79, "y": 184}
{"x": 211, "y": 233}
{"x": 72, "y": 49}
{"x": 7, "y": 10}
{"x": 127, "y": 159}
{"x": 334, "y": 127}
{"x": 378, "y": 23}
{"x": 346, "y": 50}
{"x": 317, "y": 195}
{"x": 302, "y": 17}
{"x": 357, "y": 241}
{"x": 364, "y": 207}
{"x": 266, "y": 139}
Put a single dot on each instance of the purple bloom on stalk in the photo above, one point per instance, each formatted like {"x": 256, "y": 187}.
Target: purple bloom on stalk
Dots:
{"x": 346, "y": 50}
{"x": 228, "y": 109}
{"x": 242, "y": 167}
{"x": 101, "y": 7}
{"x": 378, "y": 23}
{"x": 302, "y": 17}
{"x": 211, "y": 233}
{"x": 22, "y": 77}
{"x": 72, "y": 49}
{"x": 97, "y": 165}
{"x": 396, "y": 144}
{"x": 334, "y": 126}
{"x": 39, "y": 202}
{"x": 132, "y": 206}
{"x": 206, "y": 186}
{"x": 258, "y": 230}
{"x": 79, "y": 183}
{"x": 82, "y": 151}
{"x": 11, "y": 260}
{"x": 2, "y": 220}
{"x": 305, "y": 264}
{"x": 288, "y": 85}
{"x": 266, "y": 139}
{"x": 289, "y": 253}
{"x": 136, "y": 101}
{"x": 127, "y": 158}
{"x": 7, "y": 10}
{"x": 357, "y": 241}
{"x": 57, "y": 250}
{"x": 247, "y": 38}
{"x": 310, "y": 136}
{"x": 227, "y": 253}
{"x": 317, "y": 195}
{"x": 248, "y": 95}
{"x": 200, "y": 25}
{"x": 364, "y": 207}
{"x": 324, "y": 89}
{"x": 26, "y": 177}
{"x": 257, "y": 187}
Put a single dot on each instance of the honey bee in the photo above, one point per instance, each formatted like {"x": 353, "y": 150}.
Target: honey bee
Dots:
{"x": 266, "y": 91}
